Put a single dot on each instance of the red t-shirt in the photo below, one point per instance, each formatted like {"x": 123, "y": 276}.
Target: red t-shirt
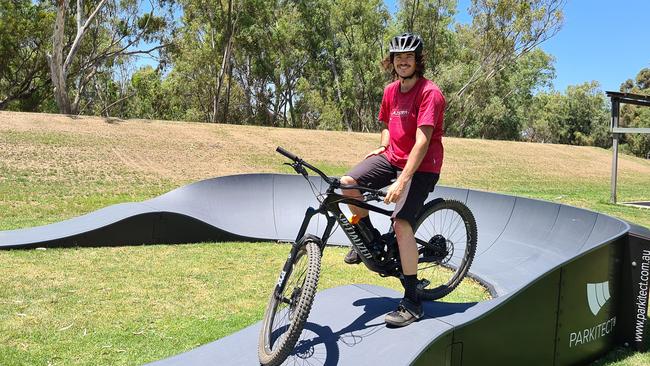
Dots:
{"x": 403, "y": 113}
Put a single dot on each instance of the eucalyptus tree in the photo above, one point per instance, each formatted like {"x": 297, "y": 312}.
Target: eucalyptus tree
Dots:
{"x": 501, "y": 32}
{"x": 579, "y": 116}
{"x": 637, "y": 116}
{"x": 25, "y": 29}
{"x": 197, "y": 57}
{"x": 90, "y": 35}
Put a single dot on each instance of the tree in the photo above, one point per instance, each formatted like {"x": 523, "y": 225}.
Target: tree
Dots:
{"x": 25, "y": 28}
{"x": 577, "y": 117}
{"x": 342, "y": 80}
{"x": 501, "y": 33}
{"x": 636, "y": 116}
{"x": 433, "y": 20}
{"x": 105, "y": 31}
{"x": 205, "y": 48}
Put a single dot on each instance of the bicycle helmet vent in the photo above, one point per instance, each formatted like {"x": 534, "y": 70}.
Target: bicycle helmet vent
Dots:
{"x": 406, "y": 42}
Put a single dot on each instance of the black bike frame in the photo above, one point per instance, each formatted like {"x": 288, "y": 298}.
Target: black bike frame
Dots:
{"x": 331, "y": 210}
{"x": 329, "y": 207}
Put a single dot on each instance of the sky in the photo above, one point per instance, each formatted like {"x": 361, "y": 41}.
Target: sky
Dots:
{"x": 606, "y": 41}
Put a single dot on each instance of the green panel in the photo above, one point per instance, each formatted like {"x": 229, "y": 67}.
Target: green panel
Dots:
{"x": 439, "y": 353}
{"x": 519, "y": 332}
{"x": 633, "y": 324}
{"x": 587, "y": 321}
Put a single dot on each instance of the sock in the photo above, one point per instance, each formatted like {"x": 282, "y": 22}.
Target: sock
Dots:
{"x": 410, "y": 288}
{"x": 366, "y": 221}
{"x": 372, "y": 232}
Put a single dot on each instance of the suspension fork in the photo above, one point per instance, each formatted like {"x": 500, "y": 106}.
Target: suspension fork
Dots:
{"x": 295, "y": 247}
{"x": 311, "y": 212}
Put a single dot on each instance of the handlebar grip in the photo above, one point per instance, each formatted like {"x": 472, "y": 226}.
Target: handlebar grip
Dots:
{"x": 287, "y": 154}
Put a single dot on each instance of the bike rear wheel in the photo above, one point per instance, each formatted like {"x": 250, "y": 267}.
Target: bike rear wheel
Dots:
{"x": 446, "y": 236}
{"x": 287, "y": 311}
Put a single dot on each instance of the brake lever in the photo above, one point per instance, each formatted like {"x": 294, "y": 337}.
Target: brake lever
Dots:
{"x": 300, "y": 169}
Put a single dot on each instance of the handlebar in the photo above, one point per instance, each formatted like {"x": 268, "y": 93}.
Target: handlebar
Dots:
{"x": 299, "y": 163}
{"x": 288, "y": 154}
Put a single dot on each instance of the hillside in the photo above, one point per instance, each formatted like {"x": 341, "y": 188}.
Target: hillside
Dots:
{"x": 54, "y": 167}
{"x": 133, "y": 305}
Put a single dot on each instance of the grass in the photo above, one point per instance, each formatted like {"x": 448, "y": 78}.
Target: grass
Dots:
{"x": 131, "y": 305}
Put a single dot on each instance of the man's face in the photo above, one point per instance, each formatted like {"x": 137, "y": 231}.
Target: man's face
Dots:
{"x": 404, "y": 63}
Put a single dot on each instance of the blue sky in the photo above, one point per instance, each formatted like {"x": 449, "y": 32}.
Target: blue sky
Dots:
{"x": 606, "y": 41}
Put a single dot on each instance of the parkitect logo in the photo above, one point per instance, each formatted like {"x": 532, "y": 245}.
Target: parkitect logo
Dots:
{"x": 597, "y": 297}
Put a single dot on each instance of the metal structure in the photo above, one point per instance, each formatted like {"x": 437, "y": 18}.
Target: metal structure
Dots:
{"x": 565, "y": 282}
{"x": 616, "y": 99}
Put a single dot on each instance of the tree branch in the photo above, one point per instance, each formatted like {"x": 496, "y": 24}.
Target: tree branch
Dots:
{"x": 81, "y": 31}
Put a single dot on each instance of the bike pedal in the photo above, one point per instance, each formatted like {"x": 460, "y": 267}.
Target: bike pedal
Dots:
{"x": 423, "y": 283}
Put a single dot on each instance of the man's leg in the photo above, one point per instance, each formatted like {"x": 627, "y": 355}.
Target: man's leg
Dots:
{"x": 406, "y": 210}
{"x": 408, "y": 250}
{"x": 374, "y": 171}
{"x": 410, "y": 308}
{"x": 353, "y": 193}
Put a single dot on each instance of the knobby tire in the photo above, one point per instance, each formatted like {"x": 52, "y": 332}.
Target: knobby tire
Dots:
{"x": 277, "y": 340}
{"x": 454, "y": 221}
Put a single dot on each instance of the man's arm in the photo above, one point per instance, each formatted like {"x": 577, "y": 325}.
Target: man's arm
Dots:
{"x": 385, "y": 138}
{"x": 422, "y": 139}
{"x": 383, "y": 144}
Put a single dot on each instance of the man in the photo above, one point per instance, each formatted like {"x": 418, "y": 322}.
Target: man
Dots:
{"x": 411, "y": 151}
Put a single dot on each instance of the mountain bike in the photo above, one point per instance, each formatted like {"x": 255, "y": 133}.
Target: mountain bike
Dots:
{"x": 445, "y": 232}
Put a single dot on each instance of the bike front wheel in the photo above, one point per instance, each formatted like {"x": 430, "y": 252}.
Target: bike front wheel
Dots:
{"x": 446, "y": 235}
{"x": 287, "y": 310}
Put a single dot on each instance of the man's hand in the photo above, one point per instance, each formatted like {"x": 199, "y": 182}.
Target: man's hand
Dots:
{"x": 395, "y": 191}
{"x": 376, "y": 151}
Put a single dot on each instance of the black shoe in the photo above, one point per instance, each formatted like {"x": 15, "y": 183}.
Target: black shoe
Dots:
{"x": 407, "y": 312}
{"x": 352, "y": 257}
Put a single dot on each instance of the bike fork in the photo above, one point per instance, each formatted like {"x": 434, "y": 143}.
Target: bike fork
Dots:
{"x": 288, "y": 265}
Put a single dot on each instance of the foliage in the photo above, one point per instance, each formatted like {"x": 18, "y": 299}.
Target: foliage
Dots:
{"x": 578, "y": 117}
{"x": 92, "y": 38}
{"x": 25, "y": 28}
{"x": 636, "y": 116}
{"x": 308, "y": 64}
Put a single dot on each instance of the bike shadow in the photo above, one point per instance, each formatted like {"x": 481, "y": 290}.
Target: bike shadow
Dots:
{"x": 321, "y": 345}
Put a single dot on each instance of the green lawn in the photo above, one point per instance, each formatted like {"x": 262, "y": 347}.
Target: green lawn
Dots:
{"x": 130, "y": 305}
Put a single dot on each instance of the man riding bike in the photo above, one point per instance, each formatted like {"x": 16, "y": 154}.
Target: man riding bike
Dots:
{"x": 410, "y": 153}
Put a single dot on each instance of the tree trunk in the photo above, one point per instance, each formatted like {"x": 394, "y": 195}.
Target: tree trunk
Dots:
{"x": 215, "y": 97}
{"x": 346, "y": 121}
{"x": 292, "y": 112}
{"x": 227, "y": 106}
{"x": 57, "y": 71}
{"x": 226, "y": 54}
{"x": 58, "y": 66}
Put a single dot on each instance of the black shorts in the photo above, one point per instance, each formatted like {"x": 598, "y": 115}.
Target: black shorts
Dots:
{"x": 376, "y": 172}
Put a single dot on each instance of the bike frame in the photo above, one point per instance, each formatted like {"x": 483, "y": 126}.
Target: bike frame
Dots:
{"x": 329, "y": 208}
{"x": 332, "y": 212}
